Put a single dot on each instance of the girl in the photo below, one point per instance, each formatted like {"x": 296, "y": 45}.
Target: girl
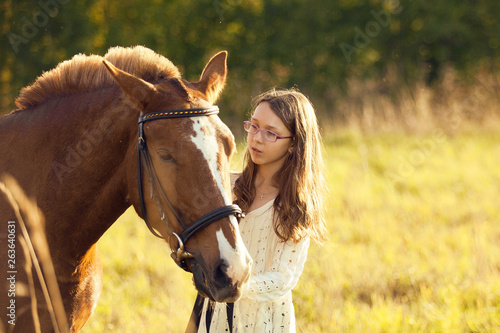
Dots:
{"x": 281, "y": 191}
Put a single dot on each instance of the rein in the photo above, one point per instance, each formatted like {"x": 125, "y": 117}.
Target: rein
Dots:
{"x": 178, "y": 253}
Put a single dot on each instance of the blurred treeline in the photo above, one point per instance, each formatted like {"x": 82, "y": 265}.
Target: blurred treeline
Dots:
{"x": 354, "y": 58}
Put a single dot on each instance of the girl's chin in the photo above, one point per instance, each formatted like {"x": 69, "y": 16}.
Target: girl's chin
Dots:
{"x": 255, "y": 157}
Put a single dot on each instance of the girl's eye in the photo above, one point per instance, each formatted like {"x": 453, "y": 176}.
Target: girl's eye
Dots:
{"x": 270, "y": 136}
{"x": 165, "y": 156}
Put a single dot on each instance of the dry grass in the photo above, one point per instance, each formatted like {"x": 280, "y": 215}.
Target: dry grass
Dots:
{"x": 414, "y": 237}
{"x": 386, "y": 105}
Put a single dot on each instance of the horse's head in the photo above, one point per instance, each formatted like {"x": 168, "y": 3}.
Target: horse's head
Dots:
{"x": 185, "y": 175}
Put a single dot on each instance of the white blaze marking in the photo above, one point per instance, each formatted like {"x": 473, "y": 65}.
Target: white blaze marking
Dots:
{"x": 236, "y": 257}
{"x": 209, "y": 147}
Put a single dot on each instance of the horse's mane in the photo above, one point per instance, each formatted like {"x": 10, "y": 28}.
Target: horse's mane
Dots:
{"x": 86, "y": 73}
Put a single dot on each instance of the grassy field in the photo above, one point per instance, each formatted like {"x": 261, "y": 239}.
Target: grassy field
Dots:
{"x": 414, "y": 246}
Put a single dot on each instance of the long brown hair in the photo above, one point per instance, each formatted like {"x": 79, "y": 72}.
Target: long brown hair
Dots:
{"x": 298, "y": 208}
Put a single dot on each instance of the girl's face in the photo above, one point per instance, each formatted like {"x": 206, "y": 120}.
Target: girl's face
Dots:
{"x": 262, "y": 151}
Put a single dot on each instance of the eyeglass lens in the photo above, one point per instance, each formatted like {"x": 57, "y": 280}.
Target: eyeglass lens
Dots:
{"x": 266, "y": 134}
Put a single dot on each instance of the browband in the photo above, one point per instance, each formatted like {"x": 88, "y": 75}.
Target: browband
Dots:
{"x": 179, "y": 113}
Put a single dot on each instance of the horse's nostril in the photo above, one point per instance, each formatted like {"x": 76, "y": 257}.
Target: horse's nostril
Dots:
{"x": 220, "y": 272}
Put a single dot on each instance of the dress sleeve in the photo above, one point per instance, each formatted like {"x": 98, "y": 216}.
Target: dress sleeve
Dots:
{"x": 285, "y": 267}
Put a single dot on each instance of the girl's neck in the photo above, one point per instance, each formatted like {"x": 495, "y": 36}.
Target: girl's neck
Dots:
{"x": 265, "y": 189}
{"x": 264, "y": 178}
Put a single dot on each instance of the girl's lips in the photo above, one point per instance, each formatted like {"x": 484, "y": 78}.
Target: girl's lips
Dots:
{"x": 255, "y": 150}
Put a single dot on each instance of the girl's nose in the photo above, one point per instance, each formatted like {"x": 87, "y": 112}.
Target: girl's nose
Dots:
{"x": 258, "y": 136}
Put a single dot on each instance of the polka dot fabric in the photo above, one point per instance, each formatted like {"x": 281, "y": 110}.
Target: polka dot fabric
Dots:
{"x": 266, "y": 306}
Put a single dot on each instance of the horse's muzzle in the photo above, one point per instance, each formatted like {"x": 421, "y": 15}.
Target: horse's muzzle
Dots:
{"x": 215, "y": 284}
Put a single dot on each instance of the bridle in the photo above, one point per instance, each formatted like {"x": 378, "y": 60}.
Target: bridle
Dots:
{"x": 178, "y": 253}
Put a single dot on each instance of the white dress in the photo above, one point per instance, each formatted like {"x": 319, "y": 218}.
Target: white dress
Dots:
{"x": 266, "y": 306}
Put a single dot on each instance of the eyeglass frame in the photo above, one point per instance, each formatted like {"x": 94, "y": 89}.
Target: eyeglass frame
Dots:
{"x": 264, "y": 130}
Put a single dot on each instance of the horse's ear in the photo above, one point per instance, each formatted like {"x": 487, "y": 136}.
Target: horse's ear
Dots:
{"x": 136, "y": 89}
{"x": 213, "y": 77}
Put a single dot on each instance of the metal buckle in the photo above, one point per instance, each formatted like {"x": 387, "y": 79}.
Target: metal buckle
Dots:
{"x": 180, "y": 254}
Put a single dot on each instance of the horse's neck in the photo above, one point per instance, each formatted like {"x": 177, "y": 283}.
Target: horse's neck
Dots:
{"x": 78, "y": 168}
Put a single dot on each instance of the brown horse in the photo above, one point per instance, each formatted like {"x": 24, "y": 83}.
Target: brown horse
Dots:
{"x": 72, "y": 145}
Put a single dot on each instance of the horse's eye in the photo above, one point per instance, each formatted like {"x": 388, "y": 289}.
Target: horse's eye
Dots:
{"x": 165, "y": 156}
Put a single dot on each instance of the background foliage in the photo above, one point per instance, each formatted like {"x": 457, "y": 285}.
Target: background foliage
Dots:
{"x": 323, "y": 47}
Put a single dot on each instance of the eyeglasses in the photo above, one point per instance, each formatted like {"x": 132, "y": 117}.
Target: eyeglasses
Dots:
{"x": 266, "y": 134}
